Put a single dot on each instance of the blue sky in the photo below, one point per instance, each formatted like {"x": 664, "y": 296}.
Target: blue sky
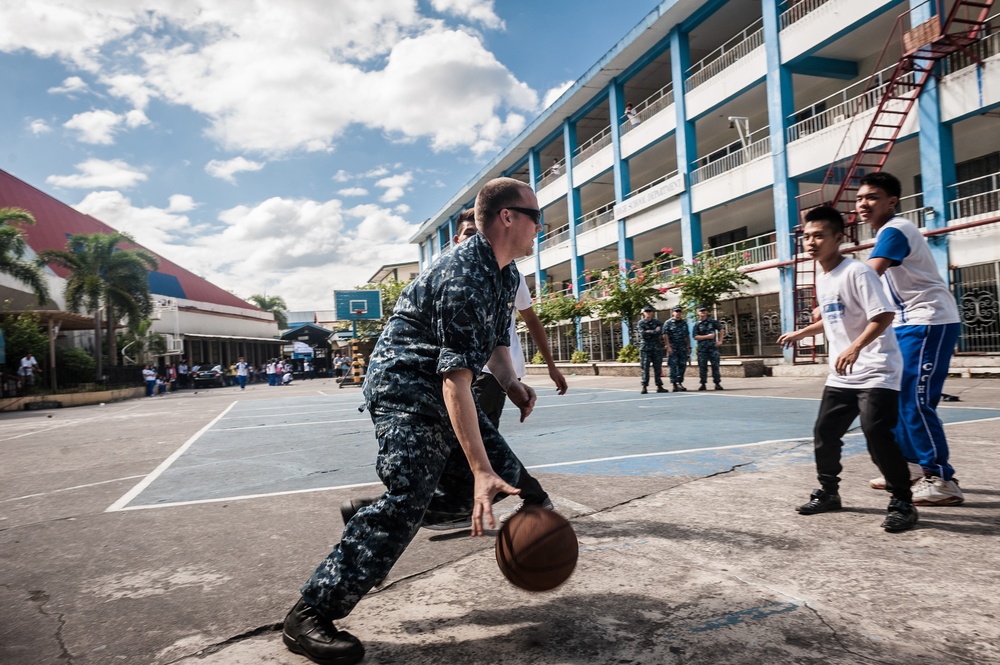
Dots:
{"x": 282, "y": 147}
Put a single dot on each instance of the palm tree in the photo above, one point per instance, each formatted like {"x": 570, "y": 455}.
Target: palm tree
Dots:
{"x": 12, "y": 249}
{"x": 103, "y": 276}
{"x": 273, "y": 304}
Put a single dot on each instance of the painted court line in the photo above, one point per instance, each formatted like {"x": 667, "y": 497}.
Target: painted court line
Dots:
{"x": 669, "y": 452}
{"x": 70, "y": 489}
{"x": 317, "y": 422}
{"x": 176, "y": 504}
{"x": 145, "y": 482}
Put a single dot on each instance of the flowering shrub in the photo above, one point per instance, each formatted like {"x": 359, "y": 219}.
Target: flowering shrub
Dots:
{"x": 626, "y": 291}
{"x": 553, "y": 308}
{"x": 708, "y": 278}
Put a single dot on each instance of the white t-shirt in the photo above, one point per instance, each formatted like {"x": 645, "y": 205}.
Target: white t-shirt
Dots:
{"x": 28, "y": 365}
{"x": 913, "y": 283}
{"x": 522, "y": 300}
{"x": 849, "y": 297}
{"x": 241, "y": 369}
{"x": 149, "y": 374}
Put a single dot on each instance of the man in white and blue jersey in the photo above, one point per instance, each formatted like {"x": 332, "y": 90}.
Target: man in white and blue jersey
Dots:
{"x": 927, "y": 326}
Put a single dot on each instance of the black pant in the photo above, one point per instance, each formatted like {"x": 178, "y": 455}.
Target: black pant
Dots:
{"x": 879, "y": 411}
{"x": 491, "y": 397}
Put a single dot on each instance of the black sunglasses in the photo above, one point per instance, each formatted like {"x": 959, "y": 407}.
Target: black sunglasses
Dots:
{"x": 533, "y": 213}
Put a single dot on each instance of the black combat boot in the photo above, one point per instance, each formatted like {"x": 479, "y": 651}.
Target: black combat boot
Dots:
{"x": 308, "y": 634}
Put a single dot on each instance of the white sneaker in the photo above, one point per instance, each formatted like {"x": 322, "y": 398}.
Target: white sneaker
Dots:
{"x": 933, "y": 491}
{"x": 916, "y": 473}
{"x": 547, "y": 505}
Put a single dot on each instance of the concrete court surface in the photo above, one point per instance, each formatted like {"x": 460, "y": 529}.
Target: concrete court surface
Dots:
{"x": 698, "y": 558}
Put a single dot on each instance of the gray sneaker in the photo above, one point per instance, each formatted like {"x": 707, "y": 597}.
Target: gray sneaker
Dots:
{"x": 449, "y": 525}
{"x": 934, "y": 491}
{"x": 547, "y": 505}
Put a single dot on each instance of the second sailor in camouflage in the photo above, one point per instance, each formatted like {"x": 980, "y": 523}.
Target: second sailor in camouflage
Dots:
{"x": 708, "y": 333}
{"x": 678, "y": 347}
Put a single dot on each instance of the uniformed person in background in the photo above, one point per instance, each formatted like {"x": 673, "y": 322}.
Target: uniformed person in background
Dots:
{"x": 651, "y": 349}
{"x": 709, "y": 335}
{"x": 447, "y": 324}
{"x": 678, "y": 336}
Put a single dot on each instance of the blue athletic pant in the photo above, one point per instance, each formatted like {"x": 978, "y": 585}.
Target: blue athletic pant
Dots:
{"x": 926, "y": 353}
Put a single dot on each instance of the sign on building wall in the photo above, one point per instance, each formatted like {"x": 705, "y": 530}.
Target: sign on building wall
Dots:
{"x": 650, "y": 197}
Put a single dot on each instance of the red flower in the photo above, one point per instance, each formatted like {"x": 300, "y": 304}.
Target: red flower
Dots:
{"x": 746, "y": 255}
{"x": 663, "y": 289}
{"x": 667, "y": 250}
{"x": 676, "y": 270}
{"x": 694, "y": 261}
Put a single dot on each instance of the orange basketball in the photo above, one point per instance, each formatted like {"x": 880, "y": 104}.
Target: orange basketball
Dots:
{"x": 537, "y": 549}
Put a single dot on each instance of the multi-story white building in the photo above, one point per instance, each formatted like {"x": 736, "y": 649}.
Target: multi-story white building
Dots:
{"x": 740, "y": 106}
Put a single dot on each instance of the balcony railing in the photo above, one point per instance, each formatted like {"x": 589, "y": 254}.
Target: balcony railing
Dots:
{"x": 798, "y": 10}
{"x": 842, "y": 105}
{"x": 551, "y": 173}
{"x": 553, "y": 238}
{"x": 724, "y": 56}
{"x": 650, "y": 185}
{"x": 911, "y": 207}
{"x": 589, "y": 147}
{"x": 988, "y": 46}
{"x": 737, "y": 156}
{"x": 649, "y": 107}
{"x": 758, "y": 249}
{"x": 597, "y": 217}
{"x": 979, "y": 196}
{"x": 665, "y": 267}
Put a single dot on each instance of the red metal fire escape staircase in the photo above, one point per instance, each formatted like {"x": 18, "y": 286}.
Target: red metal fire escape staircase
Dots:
{"x": 923, "y": 46}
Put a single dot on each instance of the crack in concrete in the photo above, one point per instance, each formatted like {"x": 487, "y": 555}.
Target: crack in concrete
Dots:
{"x": 219, "y": 646}
{"x": 42, "y": 599}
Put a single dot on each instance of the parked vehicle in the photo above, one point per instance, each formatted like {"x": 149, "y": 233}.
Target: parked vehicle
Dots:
{"x": 208, "y": 375}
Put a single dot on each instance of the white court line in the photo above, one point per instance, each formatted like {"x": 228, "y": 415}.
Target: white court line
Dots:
{"x": 145, "y": 482}
{"x": 70, "y": 489}
{"x": 318, "y": 422}
{"x": 671, "y": 452}
{"x": 249, "y": 496}
{"x": 290, "y": 413}
{"x": 70, "y": 424}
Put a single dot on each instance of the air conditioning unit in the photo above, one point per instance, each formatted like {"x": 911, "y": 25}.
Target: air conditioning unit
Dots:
{"x": 175, "y": 345}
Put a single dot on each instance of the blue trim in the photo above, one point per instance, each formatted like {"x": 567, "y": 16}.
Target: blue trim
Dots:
{"x": 616, "y": 99}
{"x": 534, "y": 168}
{"x": 700, "y": 15}
{"x": 847, "y": 30}
{"x": 780, "y": 106}
{"x": 845, "y": 70}
{"x": 687, "y": 148}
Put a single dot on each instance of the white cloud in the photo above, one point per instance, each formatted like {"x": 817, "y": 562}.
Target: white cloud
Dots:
{"x": 39, "y": 126}
{"x": 135, "y": 118}
{"x": 292, "y": 76}
{"x": 227, "y": 170}
{"x": 154, "y": 228}
{"x": 298, "y": 248}
{"x": 395, "y": 186}
{"x": 552, "y": 94}
{"x": 377, "y": 172}
{"x": 353, "y": 191}
{"x": 98, "y": 173}
{"x": 97, "y": 127}
{"x": 475, "y": 10}
{"x": 70, "y": 86}
{"x": 181, "y": 203}
{"x": 341, "y": 176}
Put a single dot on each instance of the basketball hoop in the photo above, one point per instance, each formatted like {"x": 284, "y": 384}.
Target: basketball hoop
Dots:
{"x": 359, "y": 312}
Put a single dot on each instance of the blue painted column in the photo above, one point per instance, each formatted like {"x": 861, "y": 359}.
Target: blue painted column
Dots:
{"x": 780, "y": 107}
{"x": 687, "y": 147}
{"x": 534, "y": 169}
{"x": 451, "y": 230}
{"x": 623, "y": 185}
{"x": 937, "y": 156}
{"x": 573, "y": 212}
{"x": 420, "y": 258}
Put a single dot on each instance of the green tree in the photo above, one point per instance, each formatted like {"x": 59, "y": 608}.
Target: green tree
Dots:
{"x": 555, "y": 308}
{"x": 273, "y": 304}
{"x": 708, "y": 278}
{"x": 104, "y": 277}
{"x": 620, "y": 293}
{"x": 13, "y": 246}
{"x": 23, "y": 333}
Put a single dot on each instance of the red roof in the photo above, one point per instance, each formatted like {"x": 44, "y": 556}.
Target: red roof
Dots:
{"x": 55, "y": 221}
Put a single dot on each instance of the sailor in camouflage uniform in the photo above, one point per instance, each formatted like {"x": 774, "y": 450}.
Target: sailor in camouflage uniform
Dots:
{"x": 708, "y": 333}
{"x": 447, "y": 324}
{"x": 678, "y": 347}
{"x": 650, "y": 349}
